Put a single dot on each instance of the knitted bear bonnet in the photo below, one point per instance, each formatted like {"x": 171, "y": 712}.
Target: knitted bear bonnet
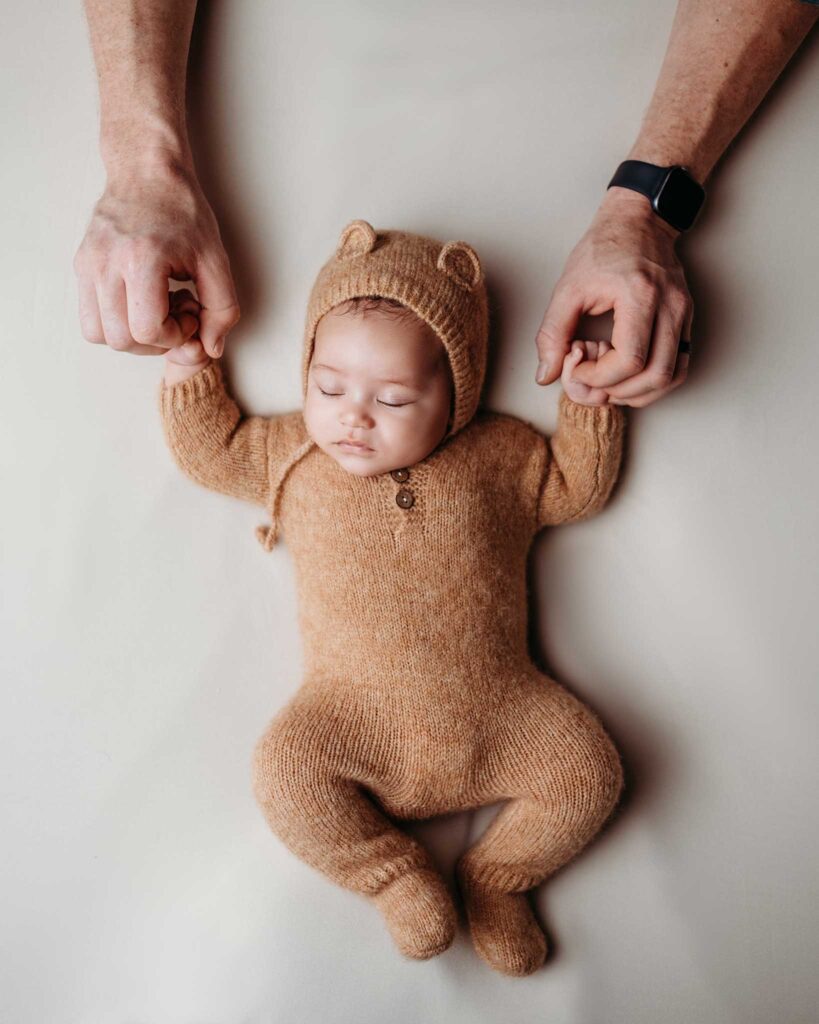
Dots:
{"x": 443, "y": 283}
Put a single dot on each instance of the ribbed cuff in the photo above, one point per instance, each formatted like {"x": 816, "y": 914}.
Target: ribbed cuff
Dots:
{"x": 602, "y": 419}
{"x": 185, "y": 393}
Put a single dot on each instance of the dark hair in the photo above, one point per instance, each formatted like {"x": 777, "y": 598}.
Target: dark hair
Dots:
{"x": 392, "y": 309}
{"x": 372, "y": 303}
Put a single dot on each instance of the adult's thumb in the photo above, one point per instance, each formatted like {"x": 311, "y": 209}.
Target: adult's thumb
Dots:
{"x": 220, "y": 308}
{"x": 555, "y": 336}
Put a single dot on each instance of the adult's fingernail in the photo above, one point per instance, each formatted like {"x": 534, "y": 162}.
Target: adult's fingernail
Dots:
{"x": 218, "y": 348}
{"x": 542, "y": 370}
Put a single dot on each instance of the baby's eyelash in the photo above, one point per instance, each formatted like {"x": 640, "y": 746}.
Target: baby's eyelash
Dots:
{"x": 391, "y": 405}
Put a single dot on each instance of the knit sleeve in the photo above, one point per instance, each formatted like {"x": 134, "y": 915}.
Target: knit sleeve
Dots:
{"x": 210, "y": 439}
{"x": 580, "y": 463}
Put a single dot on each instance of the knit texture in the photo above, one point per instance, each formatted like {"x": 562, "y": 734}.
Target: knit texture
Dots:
{"x": 419, "y": 697}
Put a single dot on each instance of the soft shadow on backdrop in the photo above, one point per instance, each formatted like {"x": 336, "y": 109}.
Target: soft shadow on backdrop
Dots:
{"x": 147, "y": 638}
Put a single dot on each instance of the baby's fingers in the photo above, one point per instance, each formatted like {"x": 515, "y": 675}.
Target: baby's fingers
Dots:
{"x": 188, "y": 324}
{"x": 594, "y": 349}
{"x": 188, "y": 353}
{"x": 178, "y": 329}
{"x": 184, "y": 312}
{"x": 574, "y": 356}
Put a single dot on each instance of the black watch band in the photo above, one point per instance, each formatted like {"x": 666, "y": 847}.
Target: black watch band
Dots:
{"x": 674, "y": 194}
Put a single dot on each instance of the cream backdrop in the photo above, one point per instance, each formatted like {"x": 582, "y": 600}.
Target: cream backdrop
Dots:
{"x": 148, "y": 639}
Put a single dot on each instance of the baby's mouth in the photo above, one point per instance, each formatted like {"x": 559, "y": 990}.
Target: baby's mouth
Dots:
{"x": 357, "y": 446}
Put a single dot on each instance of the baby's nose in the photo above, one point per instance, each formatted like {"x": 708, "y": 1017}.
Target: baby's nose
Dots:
{"x": 356, "y": 415}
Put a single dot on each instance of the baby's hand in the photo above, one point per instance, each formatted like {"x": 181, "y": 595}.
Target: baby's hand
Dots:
{"x": 590, "y": 351}
{"x": 187, "y": 356}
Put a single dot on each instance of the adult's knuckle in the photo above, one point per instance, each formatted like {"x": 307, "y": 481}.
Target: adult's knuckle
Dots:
{"x": 146, "y": 332}
{"x": 674, "y": 303}
{"x": 643, "y": 286}
{"x": 136, "y": 253}
{"x": 677, "y": 304}
{"x": 568, "y": 289}
{"x": 549, "y": 331}
{"x": 634, "y": 362}
{"x": 661, "y": 378}
{"x": 117, "y": 341}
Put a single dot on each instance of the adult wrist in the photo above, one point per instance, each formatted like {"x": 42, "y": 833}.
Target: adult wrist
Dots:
{"x": 145, "y": 147}
{"x": 625, "y": 205}
{"x": 152, "y": 170}
{"x": 673, "y": 191}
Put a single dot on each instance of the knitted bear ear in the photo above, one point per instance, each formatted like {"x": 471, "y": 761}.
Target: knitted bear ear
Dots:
{"x": 356, "y": 239}
{"x": 460, "y": 262}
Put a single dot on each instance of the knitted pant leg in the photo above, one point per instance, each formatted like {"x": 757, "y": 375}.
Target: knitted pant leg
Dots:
{"x": 565, "y": 776}
{"x": 326, "y": 818}
{"x": 332, "y": 825}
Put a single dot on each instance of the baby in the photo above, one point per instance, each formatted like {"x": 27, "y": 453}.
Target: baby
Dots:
{"x": 409, "y": 513}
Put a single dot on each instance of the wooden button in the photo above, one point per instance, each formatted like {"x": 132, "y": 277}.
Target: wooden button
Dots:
{"x": 405, "y": 498}
{"x": 400, "y": 475}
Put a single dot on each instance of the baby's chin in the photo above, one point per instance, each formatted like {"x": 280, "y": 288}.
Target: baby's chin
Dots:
{"x": 370, "y": 463}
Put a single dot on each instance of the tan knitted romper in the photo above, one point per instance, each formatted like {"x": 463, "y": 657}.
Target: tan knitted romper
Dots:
{"x": 419, "y": 697}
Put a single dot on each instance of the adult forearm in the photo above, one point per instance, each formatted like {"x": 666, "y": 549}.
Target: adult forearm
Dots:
{"x": 722, "y": 57}
{"x": 141, "y": 52}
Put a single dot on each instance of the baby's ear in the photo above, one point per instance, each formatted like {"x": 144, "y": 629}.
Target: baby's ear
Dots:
{"x": 356, "y": 239}
{"x": 460, "y": 262}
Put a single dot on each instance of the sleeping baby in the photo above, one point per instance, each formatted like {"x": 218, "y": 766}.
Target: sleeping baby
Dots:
{"x": 409, "y": 513}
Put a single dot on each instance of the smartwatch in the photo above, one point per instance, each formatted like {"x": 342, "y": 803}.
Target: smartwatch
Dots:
{"x": 674, "y": 194}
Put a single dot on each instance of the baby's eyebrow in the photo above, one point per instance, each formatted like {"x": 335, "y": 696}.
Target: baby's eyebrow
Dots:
{"x": 333, "y": 369}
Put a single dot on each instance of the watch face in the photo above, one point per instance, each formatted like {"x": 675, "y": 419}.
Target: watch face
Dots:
{"x": 679, "y": 199}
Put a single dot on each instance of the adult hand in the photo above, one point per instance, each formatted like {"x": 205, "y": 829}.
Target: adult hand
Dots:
{"x": 625, "y": 262}
{"x": 148, "y": 227}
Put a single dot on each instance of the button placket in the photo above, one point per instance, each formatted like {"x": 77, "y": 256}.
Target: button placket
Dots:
{"x": 404, "y": 497}
{"x": 405, "y": 491}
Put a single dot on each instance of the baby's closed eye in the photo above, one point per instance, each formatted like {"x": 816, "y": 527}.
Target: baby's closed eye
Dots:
{"x": 392, "y": 405}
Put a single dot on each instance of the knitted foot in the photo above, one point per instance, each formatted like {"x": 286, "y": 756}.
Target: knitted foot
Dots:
{"x": 419, "y": 913}
{"x": 504, "y": 930}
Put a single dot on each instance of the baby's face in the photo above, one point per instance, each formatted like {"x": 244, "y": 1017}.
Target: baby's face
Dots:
{"x": 380, "y": 381}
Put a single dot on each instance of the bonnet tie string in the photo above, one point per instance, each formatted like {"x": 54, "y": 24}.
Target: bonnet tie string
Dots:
{"x": 267, "y": 535}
